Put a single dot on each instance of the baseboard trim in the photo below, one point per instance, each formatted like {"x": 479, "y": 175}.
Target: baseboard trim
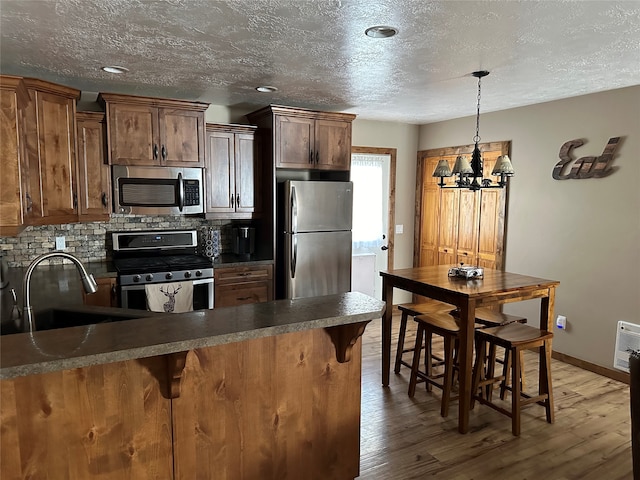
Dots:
{"x": 618, "y": 375}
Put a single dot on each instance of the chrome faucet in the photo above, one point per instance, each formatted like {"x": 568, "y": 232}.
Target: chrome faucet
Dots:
{"x": 88, "y": 282}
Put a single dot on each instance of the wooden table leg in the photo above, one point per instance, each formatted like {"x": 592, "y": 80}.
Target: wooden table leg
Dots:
{"x": 467, "y": 318}
{"x": 387, "y": 297}
{"x": 546, "y": 323}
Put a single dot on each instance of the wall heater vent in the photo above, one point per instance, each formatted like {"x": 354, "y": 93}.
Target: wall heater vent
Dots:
{"x": 627, "y": 340}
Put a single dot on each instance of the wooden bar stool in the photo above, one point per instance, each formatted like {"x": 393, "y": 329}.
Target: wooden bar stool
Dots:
{"x": 411, "y": 310}
{"x": 514, "y": 338}
{"x": 447, "y": 327}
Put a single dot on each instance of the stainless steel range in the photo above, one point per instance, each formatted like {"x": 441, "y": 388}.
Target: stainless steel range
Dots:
{"x": 159, "y": 257}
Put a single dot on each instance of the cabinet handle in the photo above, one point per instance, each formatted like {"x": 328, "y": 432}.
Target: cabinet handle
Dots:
{"x": 75, "y": 201}
{"x": 310, "y": 156}
{"x": 155, "y": 152}
{"x": 237, "y": 199}
{"x": 29, "y": 202}
{"x": 164, "y": 154}
{"x": 231, "y": 200}
{"x": 243, "y": 298}
{"x": 317, "y": 156}
{"x": 104, "y": 199}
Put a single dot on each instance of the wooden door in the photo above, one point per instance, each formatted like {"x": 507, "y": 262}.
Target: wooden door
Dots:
{"x": 14, "y": 201}
{"x": 94, "y": 182}
{"x": 180, "y": 132}
{"x": 430, "y": 213}
{"x": 448, "y": 226}
{"x": 332, "y": 145}
{"x": 247, "y": 174}
{"x": 294, "y": 142}
{"x": 57, "y": 158}
{"x": 133, "y": 135}
{"x": 106, "y": 296}
{"x": 470, "y": 229}
{"x": 467, "y": 246}
{"x": 219, "y": 172}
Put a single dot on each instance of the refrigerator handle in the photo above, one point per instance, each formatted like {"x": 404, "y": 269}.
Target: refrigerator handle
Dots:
{"x": 294, "y": 255}
{"x": 294, "y": 210}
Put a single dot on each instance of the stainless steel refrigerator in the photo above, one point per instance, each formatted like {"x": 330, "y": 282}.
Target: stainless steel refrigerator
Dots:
{"x": 316, "y": 238}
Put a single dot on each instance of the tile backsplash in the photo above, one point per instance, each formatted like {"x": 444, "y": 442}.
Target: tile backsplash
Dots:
{"x": 91, "y": 241}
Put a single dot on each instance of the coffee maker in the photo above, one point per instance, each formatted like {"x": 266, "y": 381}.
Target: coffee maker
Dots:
{"x": 244, "y": 240}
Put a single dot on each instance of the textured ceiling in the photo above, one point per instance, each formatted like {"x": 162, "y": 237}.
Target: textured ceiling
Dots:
{"x": 316, "y": 53}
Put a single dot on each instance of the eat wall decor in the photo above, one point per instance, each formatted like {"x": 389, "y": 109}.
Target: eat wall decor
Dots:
{"x": 585, "y": 167}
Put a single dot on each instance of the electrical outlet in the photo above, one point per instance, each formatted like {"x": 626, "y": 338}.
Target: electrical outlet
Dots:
{"x": 561, "y": 322}
{"x": 61, "y": 244}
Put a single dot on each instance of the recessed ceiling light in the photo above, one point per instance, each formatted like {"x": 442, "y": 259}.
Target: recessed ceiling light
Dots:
{"x": 381, "y": 31}
{"x": 115, "y": 69}
{"x": 266, "y": 89}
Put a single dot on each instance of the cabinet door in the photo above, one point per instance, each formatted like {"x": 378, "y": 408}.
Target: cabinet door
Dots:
{"x": 448, "y": 226}
{"x": 220, "y": 182}
{"x": 56, "y": 166}
{"x": 13, "y": 193}
{"x": 106, "y": 296}
{"x": 429, "y": 226}
{"x": 133, "y": 135}
{"x": 332, "y": 145}
{"x": 241, "y": 294}
{"x": 94, "y": 183}
{"x": 180, "y": 132}
{"x": 294, "y": 142}
{"x": 247, "y": 175}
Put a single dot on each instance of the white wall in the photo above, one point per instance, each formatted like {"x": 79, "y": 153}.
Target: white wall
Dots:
{"x": 404, "y": 138}
{"x": 584, "y": 233}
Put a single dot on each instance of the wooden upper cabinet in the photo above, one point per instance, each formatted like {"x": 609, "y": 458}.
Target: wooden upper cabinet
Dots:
{"x": 294, "y": 142}
{"x": 94, "y": 182}
{"x": 51, "y": 152}
{"x": 154, "y": 132}
{"x": 333, "y": 144}
{"x": 15, "y": 201}
{"x": 307, "y": 139}
{"x": 232, "y": 172}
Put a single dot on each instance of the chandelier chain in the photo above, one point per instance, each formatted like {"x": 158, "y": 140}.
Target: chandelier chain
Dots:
{"x": 476, "y": 139}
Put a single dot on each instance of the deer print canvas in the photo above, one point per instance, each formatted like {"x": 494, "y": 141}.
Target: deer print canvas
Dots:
{"x": 174, "y": 297}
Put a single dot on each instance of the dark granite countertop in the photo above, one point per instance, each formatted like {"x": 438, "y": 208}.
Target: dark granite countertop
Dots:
{"x": 45, "y": 351}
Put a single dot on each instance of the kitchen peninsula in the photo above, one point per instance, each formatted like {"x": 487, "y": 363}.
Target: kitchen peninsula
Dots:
{"x": 268, "y": 390}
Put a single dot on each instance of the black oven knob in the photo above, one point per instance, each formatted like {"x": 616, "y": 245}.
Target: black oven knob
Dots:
{"x": 149, "y": 277}
{"x": 136, "y": 278}
{"x": 198, "y": 273}
{"x": 187, "y": 274}
{"x": 169, "y": 276}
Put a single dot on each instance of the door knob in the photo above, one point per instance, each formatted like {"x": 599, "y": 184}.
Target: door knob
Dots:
{"x": 384, "y": 247}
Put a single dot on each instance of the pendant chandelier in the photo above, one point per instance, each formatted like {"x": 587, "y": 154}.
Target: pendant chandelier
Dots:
{"x": 469, "y": 175}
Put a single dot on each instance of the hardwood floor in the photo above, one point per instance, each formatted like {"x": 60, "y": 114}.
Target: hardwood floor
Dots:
{"x": 403, "y": 438}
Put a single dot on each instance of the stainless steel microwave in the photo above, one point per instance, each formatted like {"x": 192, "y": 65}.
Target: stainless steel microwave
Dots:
{"x": 157, "y": 190}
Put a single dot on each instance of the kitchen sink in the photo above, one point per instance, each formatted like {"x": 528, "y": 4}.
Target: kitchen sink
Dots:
{"x": 63, "y": 317}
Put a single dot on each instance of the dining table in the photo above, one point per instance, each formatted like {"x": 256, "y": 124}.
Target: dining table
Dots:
{"x": 495, "y": 287}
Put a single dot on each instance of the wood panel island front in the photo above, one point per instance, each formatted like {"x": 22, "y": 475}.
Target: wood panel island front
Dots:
{"x": 261, "y": 391}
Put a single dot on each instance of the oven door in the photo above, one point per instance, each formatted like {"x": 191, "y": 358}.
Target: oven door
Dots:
{"x": 134, "y": 296}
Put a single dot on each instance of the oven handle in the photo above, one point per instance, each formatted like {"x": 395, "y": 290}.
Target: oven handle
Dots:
{"x": 180, "y": 192}
{"x": 141, "y": 286}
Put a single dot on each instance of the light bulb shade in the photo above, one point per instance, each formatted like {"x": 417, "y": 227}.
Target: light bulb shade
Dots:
{"x": 462, "y": 165}
{"x": 503, "y": 166}
{"x": 442, "y": 169}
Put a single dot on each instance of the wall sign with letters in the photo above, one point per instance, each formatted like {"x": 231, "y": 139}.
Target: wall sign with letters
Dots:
{"x": 585, "y": 167}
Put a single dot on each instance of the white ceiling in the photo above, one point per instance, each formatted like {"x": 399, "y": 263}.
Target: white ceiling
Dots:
{"x": 316, "y": 53}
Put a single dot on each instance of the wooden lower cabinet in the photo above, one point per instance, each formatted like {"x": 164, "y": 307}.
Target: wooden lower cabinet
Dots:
{"x": 102, "y": 422}
{"x": 106, "y": 296}
{"x": 277, "y": 407}
{"x": 242, "y": 285}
